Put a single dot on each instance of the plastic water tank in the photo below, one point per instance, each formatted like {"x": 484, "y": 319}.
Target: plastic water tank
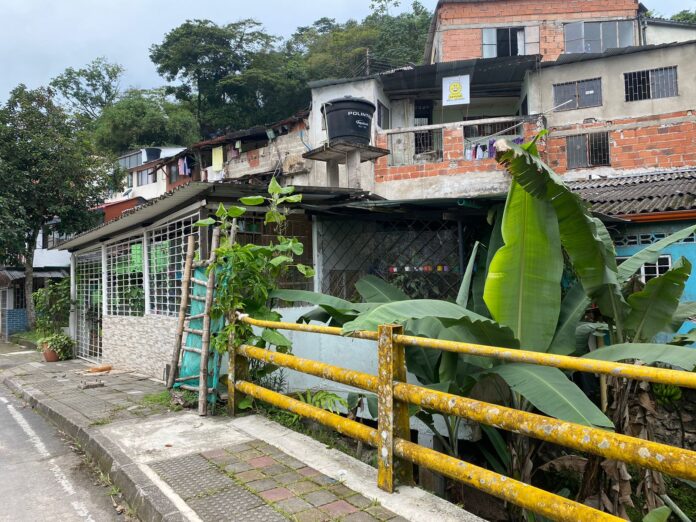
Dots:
{"x": 349, "y": 119}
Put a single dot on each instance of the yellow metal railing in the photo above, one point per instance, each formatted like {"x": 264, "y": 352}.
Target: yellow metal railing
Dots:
{"x": 394, "y": 394}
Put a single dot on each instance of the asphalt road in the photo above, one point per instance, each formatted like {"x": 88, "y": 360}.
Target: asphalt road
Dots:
{"x": 41, "y": 478}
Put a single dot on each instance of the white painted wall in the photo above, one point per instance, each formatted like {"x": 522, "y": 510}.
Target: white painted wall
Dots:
{"x": 659, "y": 34}
{"x": 49, "y": 258}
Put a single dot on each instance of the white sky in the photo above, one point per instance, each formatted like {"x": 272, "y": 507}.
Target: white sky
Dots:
{"x": 40, "y": 38}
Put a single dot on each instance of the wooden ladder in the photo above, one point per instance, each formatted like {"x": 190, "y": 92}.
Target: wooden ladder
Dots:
{"x": 184, "y": 318}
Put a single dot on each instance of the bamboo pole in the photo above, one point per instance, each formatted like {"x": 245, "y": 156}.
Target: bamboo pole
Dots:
{"x": 205, "y": 345}
{"x": 183, "y": 305}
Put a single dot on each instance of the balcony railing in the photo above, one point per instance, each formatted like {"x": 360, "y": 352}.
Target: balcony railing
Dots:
{"x": 463, "y": 140}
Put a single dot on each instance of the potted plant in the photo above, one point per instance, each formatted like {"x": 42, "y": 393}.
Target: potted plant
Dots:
{"x": 57, "y": 347}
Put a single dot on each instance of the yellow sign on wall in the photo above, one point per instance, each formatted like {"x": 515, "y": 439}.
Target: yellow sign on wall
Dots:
{"x": 455, "y": 90}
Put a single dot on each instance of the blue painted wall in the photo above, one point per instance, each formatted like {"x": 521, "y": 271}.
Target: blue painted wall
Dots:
{"x": 685, "y": 249}
{"x": 16, "y": 320}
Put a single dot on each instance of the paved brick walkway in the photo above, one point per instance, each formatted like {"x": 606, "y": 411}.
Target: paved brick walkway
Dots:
{"x": 257, "y": 481}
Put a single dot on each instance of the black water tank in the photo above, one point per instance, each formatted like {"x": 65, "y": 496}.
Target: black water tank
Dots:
{"x": 349, "y": 119}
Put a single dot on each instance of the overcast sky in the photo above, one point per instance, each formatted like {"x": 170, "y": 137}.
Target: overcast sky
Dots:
{"x": 40, "y": 38}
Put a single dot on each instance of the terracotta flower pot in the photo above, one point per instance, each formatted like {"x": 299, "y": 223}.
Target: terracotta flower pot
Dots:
{"x": 50, "y": 355}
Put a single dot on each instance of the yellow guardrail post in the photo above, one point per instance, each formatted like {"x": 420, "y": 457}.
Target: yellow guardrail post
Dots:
{"x": 392, "y": 417}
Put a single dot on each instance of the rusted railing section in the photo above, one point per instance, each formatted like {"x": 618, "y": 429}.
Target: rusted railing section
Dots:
{"x": 394, "y": 394}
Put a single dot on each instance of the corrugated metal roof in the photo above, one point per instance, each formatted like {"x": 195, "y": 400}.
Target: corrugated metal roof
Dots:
{"x": 646, "y": 193}
{"x": 13, "y": 275}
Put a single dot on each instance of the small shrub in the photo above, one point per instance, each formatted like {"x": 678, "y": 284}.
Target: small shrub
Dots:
{"x": 60, "y": 343}
{"x": 52, "y": 305}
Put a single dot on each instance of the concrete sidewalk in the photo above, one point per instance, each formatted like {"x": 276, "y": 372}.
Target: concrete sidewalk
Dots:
{"x": 179, "y": 466}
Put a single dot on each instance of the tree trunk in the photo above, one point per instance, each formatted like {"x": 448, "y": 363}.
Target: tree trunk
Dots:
{"x": 29, "y": 280}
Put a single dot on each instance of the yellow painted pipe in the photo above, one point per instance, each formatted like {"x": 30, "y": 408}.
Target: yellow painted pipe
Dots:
{"x": 529, "y": 497}
{"x": 318, "y": 369}
{"x": 564, "y": 362}
{"x": 672, "y": 460}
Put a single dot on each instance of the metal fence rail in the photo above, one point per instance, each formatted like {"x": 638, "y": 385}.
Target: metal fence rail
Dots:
{"x": 391, "y": 438}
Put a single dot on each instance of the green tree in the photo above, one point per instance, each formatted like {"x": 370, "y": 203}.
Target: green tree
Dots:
{"x": 49, "y": 170}
{"x": 200, "y": 53}
{"x": 144, "y": 118}
{"x": 90, "y": 90}
{"x": 685, "y": 16}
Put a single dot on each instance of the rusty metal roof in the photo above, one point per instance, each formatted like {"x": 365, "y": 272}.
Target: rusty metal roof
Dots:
{"x": 646, "y": 193}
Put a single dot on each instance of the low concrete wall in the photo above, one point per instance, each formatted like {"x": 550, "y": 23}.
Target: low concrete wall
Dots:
{"x": 143, "y": 343}
{"x": 15, "y": 321}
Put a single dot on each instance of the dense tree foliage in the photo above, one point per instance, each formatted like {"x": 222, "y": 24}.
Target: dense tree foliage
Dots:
{"x": 685, "y": 16}
{"x": 144, "y": 118}
{"x": 49, "y": 170}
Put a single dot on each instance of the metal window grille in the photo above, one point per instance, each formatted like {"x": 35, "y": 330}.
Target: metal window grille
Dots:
{"x": 166, "y": 256}
{"x": 577, "y": 95}
{"x": 125, "y": 294}
{"x": 88, "y": 281}
{"x": 587, "y": 150}
{"x": 410, "y": 148}
{"x": 19, "y": 296}
{"x": 651, "y": 84}
{"x": 651, "y": 270}
{"x": 421, "y": 257}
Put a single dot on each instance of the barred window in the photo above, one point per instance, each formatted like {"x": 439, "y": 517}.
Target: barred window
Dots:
{"x": 125, "y": 294}
{"x": 577, "y": 95}
{"x": 651, "y": 270}
{"x": 19, "y": 299}
{"x": 166, "y": 257}
{"x": 587, "y": 150}
{"x": 651, "y": 84}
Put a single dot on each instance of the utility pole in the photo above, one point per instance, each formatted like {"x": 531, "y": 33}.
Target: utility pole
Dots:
{"x": 367, "y": 62}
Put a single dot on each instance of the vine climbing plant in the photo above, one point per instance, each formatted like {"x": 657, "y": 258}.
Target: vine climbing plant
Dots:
{"x": 245, "y": 274}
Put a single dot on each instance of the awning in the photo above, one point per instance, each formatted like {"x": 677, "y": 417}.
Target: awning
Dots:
{"x": 7, "y": 276}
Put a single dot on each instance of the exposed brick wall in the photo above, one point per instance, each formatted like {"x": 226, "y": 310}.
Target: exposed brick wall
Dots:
{"x": 649, "y": 142}
{"x": 460, "y": 42}
{"x": 454, "y": 162}
{"x": 138, "y": 343}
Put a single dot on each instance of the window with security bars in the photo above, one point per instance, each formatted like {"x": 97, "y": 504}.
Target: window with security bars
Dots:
{"x": 651, "y": 84}
{"x": 20, "y": 301}
{"x": 125, "y": 294}
{"x": 577, "y": 95}
{"x": 421, "y": 257}
{"x": 167, "y": 246}
{"x": 88, "y": 305}
{"x": 587, "y": 150}
{"x": 651, "y": 270}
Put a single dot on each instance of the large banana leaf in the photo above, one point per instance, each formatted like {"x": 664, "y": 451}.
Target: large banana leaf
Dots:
{"x": 649, "y": 353}
{"x": 375, "y": 290}
{"x": 465, "y": 287}
{"x": 582, "y": 235}
{"x": 650, "y": 253}
{"x": 551, "y": 392}
{"x": 318, "y": 299}
{"x": 684, "y": 312}
{"x": 523, "y": 287}
{"x": 495, "y": 241}
{"x": 573, "y": 307}
{"x": 401, "y": 311}
{"x": 653, "y": 307}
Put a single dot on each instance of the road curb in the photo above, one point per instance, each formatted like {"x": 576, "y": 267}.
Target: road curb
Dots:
{"x": 141, "y": 493}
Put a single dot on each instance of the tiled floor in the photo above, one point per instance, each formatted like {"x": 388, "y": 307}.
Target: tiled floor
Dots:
{"x": 256, "y": 481}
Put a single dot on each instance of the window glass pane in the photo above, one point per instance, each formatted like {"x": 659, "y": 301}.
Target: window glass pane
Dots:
{"x": 562, "y": 93}
{"x": 519, "y": 42}
{"x": 598, "y": 148}
{"x": 593, "y": 37}
{"x": 489, "y": 36}
{"x": 576, "y": 151}
{"x": 489, "y": 51}
{"x": 590, "y": 93}
{"x": 663, "y": 82}
{"x": 609, "y": 36}
{"x": 503, "y": 40}
{"x": 625, "y": 33}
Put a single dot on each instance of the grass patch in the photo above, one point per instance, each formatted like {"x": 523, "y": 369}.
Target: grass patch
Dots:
{"x": 32, "y": 336}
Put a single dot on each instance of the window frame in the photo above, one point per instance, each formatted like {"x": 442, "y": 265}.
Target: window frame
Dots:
{"x": 644, "y": 276}
{"x": 669, "y": 91}
{"x": 486, "y": 44}
{"x": 382, "y": 111}
{"x": 577, "y": 96}
{"x": 173, "y": 172}
{"x": 587, "y": 150}
{"x": 602, "y": 25}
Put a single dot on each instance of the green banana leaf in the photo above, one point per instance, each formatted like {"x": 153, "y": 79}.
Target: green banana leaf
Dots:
{"x": 573, "y": 307}
{"x": 653, "y": 307}
{"x": 495, "y": 241}
{"x": 551, "y": 392}
{"x": 375, "y": 290}
{"x": 582, "y": 236}
{"x": 523, "y": 287}
{"x": 650, "y": 253}
{"x": 583, "y": 332}
{"x": 649, "y": 353}
{"x": 684, "y": 312}
{"x": 463, "y": 294}
{"x": 318, "y": 299}
{"x": 661, "y": 514}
